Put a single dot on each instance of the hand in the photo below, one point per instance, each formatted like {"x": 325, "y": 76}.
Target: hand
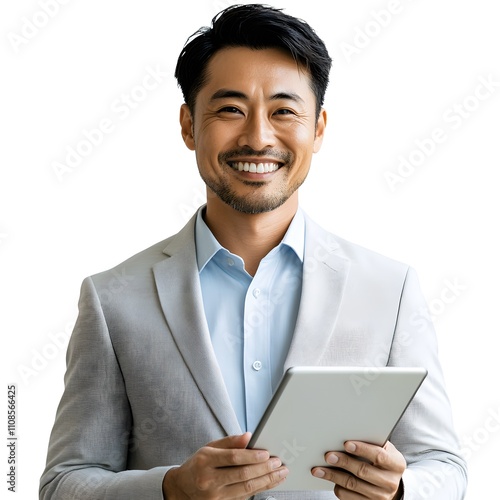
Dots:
{"x": 377, "y": 476}
{"x": 224, "y": 469}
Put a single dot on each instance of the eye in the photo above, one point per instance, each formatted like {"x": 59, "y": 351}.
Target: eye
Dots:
{"x": 229, "y": 109}
{"x": 284, "y": 111}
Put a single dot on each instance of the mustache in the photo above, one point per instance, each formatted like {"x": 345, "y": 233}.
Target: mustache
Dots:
{"x": 276, "y": 154}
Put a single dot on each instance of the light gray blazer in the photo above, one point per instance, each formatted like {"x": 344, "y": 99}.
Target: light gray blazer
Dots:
{"x": 143, "y": 389}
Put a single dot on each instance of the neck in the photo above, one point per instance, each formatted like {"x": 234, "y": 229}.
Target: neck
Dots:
{"x": 250, "y": 236}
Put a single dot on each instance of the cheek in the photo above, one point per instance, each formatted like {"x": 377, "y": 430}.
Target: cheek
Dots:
{"x": 299, "y": 139}
{"x": 207, "y": 153}
{"x": 300, "y": 130}
{"x": 216, "y": 138}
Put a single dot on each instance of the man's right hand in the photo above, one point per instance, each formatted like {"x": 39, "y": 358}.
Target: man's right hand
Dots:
{"x": 224, "y": 469}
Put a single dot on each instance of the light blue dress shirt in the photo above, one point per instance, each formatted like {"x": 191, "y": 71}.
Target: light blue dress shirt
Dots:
{"x": 251, "y": 319}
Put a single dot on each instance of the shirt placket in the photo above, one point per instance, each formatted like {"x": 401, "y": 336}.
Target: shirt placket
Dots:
{"x": 256, "y": 350}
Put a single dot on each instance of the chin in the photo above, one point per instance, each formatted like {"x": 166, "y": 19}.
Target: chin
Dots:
{"x": 246, "y": 206}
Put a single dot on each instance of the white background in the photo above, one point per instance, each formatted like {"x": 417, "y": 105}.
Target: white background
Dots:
{"x": 140, "y": 184}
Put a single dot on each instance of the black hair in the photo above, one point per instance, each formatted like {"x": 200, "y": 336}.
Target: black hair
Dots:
{"x": 255, "y": 26}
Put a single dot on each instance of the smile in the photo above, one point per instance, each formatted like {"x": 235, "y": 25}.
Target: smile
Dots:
{"x": 257, "y": 168}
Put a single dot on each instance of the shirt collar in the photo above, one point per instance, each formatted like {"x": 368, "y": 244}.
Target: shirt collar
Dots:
{"x": 207, "y": 246}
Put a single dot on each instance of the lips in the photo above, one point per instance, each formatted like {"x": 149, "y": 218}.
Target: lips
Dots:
{"x": 257, "y": 168}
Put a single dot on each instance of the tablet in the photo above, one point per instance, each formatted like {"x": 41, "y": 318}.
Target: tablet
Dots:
{"x": 316, "y": 409}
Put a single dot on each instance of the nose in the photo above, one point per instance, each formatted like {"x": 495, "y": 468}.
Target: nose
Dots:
{"x": 257, "y": 133}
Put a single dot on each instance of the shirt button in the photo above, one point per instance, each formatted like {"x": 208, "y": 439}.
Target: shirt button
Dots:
{"x": 257, "y": 365}
{"x": 256, "y": 292}
{"x": 230, "y": 262}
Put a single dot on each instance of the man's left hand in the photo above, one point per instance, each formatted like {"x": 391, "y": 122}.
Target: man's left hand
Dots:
{"x": 378, "y": 475}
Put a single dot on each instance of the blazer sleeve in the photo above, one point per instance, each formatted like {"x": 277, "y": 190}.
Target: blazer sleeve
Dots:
{"x": 87, "y": 454}
{"x": 425, "y": 435}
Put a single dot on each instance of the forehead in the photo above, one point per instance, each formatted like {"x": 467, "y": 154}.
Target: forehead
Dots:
{"x": 262, "y": 71}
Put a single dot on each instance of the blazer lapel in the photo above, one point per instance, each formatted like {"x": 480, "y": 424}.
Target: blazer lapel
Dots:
{"x": 181, "y": 300}
{"x": 324, "y": 279}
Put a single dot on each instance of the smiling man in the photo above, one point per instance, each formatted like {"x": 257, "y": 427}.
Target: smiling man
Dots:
{"x": 254, "y": 129}
{"x": 168, "y": 377}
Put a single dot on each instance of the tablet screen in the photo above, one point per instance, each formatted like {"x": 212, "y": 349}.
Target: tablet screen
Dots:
{"x": 316, "y": 409}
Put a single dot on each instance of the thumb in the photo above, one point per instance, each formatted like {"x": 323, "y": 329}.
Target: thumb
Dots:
{"x": 228, "y": 442}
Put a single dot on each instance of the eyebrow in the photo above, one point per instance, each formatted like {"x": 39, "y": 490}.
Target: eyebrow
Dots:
{"x": 228, "y": 93}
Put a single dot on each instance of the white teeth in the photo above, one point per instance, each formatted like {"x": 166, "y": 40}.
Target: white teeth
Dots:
{"x": 258, "y": 168}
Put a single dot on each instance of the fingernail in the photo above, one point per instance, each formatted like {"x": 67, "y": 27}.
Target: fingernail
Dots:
{"x": 275, "y": 463}
{"x": 350, "y": 447}
{"x": 319, "y": 473}
{"x": 332, "y": 459}
{"x": 283, "y": 472}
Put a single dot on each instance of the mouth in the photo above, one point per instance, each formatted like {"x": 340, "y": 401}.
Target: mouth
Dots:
{"x": 255, "y": 168}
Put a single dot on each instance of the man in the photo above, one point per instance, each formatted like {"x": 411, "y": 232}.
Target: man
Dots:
{"x": 168, "y": 376}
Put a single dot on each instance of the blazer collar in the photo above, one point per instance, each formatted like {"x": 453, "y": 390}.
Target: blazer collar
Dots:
{"x": 323, "y": 284}
{"x": 179, "y": 290}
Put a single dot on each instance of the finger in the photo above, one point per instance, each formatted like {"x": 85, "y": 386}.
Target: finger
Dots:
{"x": 345, "y": 494}
{"x": 217, "y": 458}
{"x": 347, "y": 482}
{"x": 386, "y": 457}
{"x": 354, "y": 471}
{"x": 237, "y": 441}
{"x": 357, "y": 469}
{"x": 253, "y": 485}
{"x": 349, "y": 486}
{"x": 231, "y": 451}
{"x": 249, "y": 472}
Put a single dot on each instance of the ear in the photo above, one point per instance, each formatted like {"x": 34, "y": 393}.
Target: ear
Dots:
{"x": 187, "y": 127}
{"x": 320, "y": 131}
